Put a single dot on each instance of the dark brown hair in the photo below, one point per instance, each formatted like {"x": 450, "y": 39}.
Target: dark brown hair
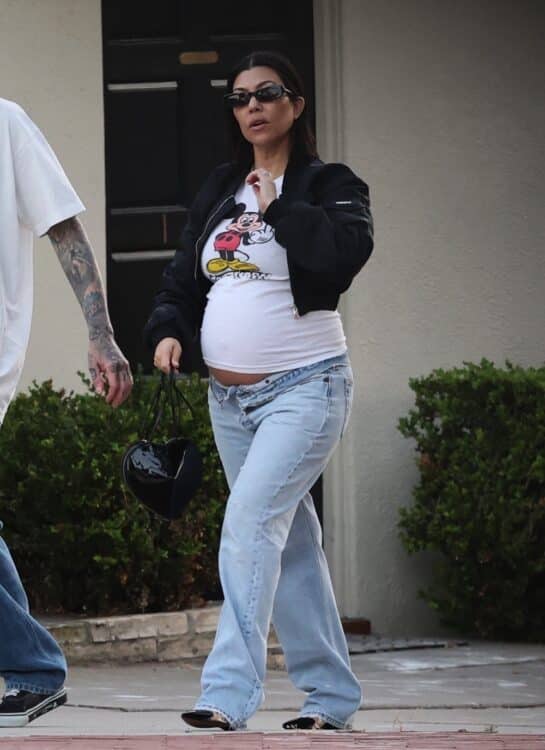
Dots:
{"x": 303, "y": 145}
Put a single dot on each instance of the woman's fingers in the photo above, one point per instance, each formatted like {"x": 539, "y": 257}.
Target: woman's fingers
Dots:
{"x": 256, "y": 175}
{"x": 263, "y": 184}
{"x": 167, "y": 355}
{"x": 175, "y": 354}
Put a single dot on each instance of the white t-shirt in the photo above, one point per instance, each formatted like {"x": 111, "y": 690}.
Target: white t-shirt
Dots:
{"x": 250, "y": 322}
{"x": 35, "y": 194}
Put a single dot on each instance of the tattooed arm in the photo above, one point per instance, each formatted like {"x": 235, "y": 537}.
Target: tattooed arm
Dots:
{"x": 107, "y": 364}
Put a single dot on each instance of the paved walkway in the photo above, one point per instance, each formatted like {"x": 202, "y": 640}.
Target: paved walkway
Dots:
{"x": 298, "y": 741}
{"x": 483, "y": 695}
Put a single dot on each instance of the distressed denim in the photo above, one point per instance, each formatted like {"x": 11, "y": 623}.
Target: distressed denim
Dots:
{"x": 30, "y": 658}
{"x": 275, "y": 438}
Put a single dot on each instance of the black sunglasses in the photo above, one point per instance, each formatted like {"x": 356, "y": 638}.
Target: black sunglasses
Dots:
{"x": 265, "y": 94}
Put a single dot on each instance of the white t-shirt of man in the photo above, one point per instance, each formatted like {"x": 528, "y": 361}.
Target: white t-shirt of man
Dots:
{"x": 35, "y": 194}
{"x": 250, "y": 322}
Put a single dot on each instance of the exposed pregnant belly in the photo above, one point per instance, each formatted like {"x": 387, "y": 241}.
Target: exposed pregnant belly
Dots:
{"x": 228, "y": 377}
{"x": 249, "y": 331}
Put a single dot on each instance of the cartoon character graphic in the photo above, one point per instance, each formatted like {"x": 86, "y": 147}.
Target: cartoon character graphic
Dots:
{"x": 246, "y": 228}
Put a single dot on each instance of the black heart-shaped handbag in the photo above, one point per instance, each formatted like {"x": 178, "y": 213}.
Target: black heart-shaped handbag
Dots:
{"x": 164, "y": 475}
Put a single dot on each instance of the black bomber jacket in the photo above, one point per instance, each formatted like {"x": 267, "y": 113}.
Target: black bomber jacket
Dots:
{"x": 322, "y": 218}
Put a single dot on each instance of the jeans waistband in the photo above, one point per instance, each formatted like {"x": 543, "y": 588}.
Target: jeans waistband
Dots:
{"x": 278, "y": 380}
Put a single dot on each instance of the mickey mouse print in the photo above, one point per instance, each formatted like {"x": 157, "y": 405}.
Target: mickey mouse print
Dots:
{"x": 247, "y": 228}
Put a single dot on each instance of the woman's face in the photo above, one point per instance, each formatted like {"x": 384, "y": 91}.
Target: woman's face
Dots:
{"x": 265, "y": 123}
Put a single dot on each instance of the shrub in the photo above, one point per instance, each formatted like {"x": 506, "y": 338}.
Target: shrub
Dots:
{"x": 82, "y": 543}
{"x": 480, "y": 502}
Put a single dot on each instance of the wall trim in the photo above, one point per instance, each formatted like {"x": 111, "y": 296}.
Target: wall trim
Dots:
{"x": 329, "y": 79}
{"x": 340, "y": 538}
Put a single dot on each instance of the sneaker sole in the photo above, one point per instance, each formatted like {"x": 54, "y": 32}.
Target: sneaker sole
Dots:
{"x": 48, "y": 704}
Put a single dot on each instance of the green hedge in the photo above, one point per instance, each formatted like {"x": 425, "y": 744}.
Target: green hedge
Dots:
{"x": 81, "y": 542}
{"x": 480, "y": 502}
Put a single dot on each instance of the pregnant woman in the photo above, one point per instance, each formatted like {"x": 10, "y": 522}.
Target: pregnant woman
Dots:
{"x": 272, "y": 240}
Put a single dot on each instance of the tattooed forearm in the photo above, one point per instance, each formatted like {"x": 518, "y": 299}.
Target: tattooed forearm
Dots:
{"x": 110, "y": 371}
{"x": 78, "y": 262}
{"x": 94, "y": 310}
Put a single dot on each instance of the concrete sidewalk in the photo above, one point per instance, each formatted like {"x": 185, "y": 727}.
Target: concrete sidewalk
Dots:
{"x": 495, "y": 690}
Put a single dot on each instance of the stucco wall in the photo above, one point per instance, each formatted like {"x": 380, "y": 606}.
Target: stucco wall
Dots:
{"x": 443, "y": 114}
{"x": 51, "y": 64}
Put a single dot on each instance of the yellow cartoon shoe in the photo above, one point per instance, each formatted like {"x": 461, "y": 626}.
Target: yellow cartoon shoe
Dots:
{"x": 242, "y": 265}
{"x": 217, "y": 265}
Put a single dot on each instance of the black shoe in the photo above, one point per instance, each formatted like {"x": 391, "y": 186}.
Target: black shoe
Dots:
{"x": 308, "y": 723}
{"x": 206, "y": 720}
{"x": 19, "y": 707}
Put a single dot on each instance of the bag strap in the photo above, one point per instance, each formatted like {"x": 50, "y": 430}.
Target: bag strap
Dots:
{"x": 154, "y": 413}
{"x": 167, "y": 395}
{"x": 177, "y": 399}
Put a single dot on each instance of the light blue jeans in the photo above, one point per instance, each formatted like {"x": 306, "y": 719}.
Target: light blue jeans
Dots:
{"x": 275, "y": 439}
{"x": 30, "y": 658}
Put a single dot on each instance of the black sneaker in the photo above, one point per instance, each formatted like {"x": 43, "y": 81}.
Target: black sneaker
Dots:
{"x": 19, "y": 707}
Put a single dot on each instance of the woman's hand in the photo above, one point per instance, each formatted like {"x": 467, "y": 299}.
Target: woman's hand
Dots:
{"x": 263, "y": 184}
{"x": 167, "y": 355}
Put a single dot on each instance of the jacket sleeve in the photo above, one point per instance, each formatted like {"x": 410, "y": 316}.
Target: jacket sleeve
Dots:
{"x": 178, "y": 306}
{"x": 333, "y": 234}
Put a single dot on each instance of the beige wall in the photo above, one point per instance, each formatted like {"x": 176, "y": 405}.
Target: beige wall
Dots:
{"x": 51, "y": 64}
{"x": 442, "y": 112}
